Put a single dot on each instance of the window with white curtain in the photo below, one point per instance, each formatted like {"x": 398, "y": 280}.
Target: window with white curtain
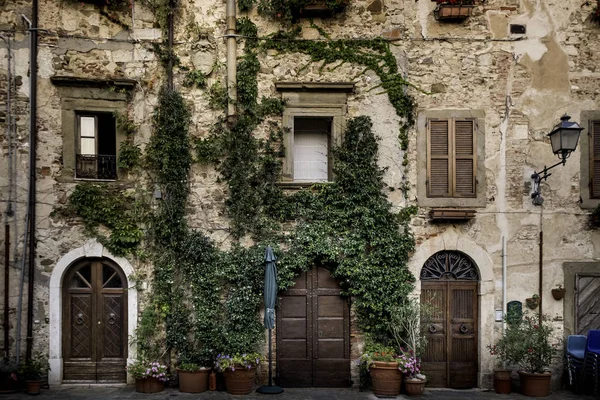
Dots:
{"x": 311, "y": 149}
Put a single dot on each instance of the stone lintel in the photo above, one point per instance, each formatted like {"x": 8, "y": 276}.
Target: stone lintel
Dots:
{"x": 93, "y": 82}
{"x": 347, "y": 87}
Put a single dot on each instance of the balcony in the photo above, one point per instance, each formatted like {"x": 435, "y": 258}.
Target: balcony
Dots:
{"x": 96, "y": 166}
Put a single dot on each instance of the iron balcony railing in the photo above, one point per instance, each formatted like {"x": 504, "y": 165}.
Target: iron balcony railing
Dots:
{"x": 96, "y": 166}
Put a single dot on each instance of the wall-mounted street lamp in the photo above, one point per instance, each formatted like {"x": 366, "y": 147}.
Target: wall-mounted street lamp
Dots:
{"x": 564, "y": 138}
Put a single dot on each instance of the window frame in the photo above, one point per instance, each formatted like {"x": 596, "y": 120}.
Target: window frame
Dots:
{"x": 587, "y": 118}
{"x": 452, "y": 157}
{"x": 312, "y": 100}
{"x": 422, "y": 150}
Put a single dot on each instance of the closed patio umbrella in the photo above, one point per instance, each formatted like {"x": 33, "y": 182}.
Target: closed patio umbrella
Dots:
{"x": 270, "y": 296}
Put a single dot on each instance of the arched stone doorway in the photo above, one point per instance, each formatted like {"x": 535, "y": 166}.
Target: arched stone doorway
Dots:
{"x": 90, "y": 251}
{"x": 313, "y": 333}
{"x": 449, "y": 283}
{"x": 94, "y": 322}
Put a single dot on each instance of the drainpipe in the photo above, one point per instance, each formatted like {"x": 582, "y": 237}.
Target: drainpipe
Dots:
{"x": 231, "y": 58}
{"x": 5, "y": 324}
{"x": 32, "y": 167}
{"x": 504, "y": 305}
{"x": 170, "y": 44}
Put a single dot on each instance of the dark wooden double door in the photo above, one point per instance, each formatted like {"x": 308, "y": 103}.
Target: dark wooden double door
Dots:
{"x": 450, "y": 359}
{"x": 94, "y": 323}
{"x": 313, "y": 333}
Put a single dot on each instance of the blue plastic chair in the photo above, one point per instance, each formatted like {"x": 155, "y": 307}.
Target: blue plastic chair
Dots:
{"x": 576, "y": 345}
{"x": 591, "y": 361}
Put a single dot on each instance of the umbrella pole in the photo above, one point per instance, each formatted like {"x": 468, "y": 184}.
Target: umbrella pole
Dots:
{"x": 270, "y": 389}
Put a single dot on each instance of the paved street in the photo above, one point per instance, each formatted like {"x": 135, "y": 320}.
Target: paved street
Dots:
{"x": 67, "y": 392}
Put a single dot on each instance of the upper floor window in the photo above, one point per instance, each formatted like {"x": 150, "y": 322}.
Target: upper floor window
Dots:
{"x": 311, "y": 149}
{"x": 314, "y": 117}
{"x": 96, "y": 147}
{"x": 451, "y": 158}
{"x": 594, "y": 149}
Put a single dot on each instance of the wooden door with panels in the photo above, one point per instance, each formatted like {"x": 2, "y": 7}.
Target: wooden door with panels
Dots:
{"x": 449, "y": 282}
{"x": 313, "y": 333}
{"x": 587, "y": 303}
{"x": 94, "y": 323}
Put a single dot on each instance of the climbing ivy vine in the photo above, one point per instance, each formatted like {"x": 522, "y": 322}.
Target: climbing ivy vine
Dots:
{"x": 205, "y": 300}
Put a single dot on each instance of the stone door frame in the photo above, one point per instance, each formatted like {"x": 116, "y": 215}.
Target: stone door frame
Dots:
{"x": 91, "y": 249}
{"x": 456, "y": 241}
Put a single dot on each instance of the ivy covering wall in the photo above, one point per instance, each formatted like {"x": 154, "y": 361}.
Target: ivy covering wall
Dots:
{"x": 205, "y": 300}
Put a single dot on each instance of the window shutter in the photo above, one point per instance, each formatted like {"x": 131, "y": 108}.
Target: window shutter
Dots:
{"x": 438, "y": 166}
{"x": 464, "y": 158}
{"x": 595, "y": 159}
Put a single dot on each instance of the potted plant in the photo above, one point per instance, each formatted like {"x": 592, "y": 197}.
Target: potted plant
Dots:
{"x": 559, "y": 292}
{"x": 292, "y": 10}
{"x": 533, "y": 302}
{"x": 384, "y": 367}
{"x": 407, "y": 324}
{"x": 150, "y": 376}
{"x": 9, "y": 381}
{"x": 193, "y": 378}
{"x": 527, "y": 344}
{"x": 32, "y": 371}
{"x": 595, "y": 215}
{"x": 239, "y": 371}
{"x": 502, "y": 376}
{"x": 453, "y": 9}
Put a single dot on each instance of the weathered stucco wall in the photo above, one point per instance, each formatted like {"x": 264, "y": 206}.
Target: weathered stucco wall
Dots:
{"x": 521, "y": 83}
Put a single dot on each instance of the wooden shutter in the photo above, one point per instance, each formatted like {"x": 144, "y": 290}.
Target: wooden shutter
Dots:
{"x": 464, "y": 158}
{"x": 438, "y": 159}
{"x": 595, "y": 159}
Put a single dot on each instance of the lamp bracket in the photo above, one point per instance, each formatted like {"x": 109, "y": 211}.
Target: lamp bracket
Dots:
{"x": 538, "y": 177}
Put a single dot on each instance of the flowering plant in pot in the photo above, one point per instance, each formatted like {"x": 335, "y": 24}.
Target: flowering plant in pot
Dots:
{"x": 239, "y": 371}
{"x": 502, "y": 376}
{"x": 527, "y": 343}
{"x": 150, "y": 376}
{"x": 384, "y": 365}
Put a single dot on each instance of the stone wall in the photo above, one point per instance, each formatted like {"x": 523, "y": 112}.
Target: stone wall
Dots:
{"x": 522, "y": 83}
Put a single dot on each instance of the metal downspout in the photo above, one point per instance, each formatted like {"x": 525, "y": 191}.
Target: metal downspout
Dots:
{"x": 504, "y": 305}
{"x": 8, "y": 213}
{"x": 170, "y": 45}
{"x": 231, "y": 57}
{"x": 32, "y": 171}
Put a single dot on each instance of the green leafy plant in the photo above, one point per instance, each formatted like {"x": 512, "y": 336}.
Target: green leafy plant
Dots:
{"x": 226, "y": 362}
{"x": 291, "y": 10}
{"x": 195, "y": 78}
{"x": 34, "y": 368}
{"x": 190, "y": 367}
{"x": 148, "y": 369}
{"x": 528, "y": 344}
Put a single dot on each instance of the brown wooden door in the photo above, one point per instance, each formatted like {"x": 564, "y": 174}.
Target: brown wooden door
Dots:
{"x": 587, "y": 303}
{"x": 313, "y": 333}
{"x": 94, "y": 323}
{"x": 450, "y": 359}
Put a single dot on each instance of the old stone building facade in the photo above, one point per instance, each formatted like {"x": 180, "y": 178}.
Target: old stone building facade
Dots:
{"x": 504, "y": 75}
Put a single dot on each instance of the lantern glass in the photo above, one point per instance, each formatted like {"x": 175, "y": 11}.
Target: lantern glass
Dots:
{"x": 564, "y": 137}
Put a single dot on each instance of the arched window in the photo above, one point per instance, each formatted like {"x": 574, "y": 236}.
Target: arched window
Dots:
{"x": 449, "y": 265}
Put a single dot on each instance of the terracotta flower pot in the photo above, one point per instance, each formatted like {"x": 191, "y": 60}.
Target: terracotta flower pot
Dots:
{"x": 33, "y": 387}
{"x": 386, "y": 378}
{"x": 414, "y": 387}
{"x": 193, "y": 382}
{"x": 240, "y": 380}
{"x": 149, "y": 385}
{"x": 502, "y": 381}
{"x": 535, "y": 385}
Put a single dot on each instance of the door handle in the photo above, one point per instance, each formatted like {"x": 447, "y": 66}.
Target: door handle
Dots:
{"x": 463, "y": 328}
{"x": 79, "y": 319}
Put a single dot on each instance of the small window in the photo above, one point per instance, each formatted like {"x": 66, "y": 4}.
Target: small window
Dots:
{"x": 594, "y": 149}
{"x": 451, "y": 158}
{"x": 96, "y": 147}
{"x": 311, "y": 149}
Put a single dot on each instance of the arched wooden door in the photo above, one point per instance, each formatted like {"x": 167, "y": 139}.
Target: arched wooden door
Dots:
{"x": 449, "y": 281}
{"x": 313, "y": 333}
{"x": 94, "y": 323}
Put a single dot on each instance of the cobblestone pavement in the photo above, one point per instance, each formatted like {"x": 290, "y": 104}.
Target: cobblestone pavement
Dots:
{"x": 71, "y": 392}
